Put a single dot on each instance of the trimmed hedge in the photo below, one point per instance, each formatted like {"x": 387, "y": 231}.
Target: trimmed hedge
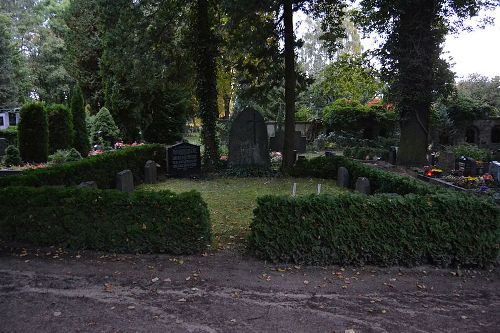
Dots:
{"x": 142, "y": 222}
{"x": 101, "y": 168}
{"x": 60, "y": 127}
{"x": 380, "y": 181}
{"x": 443, "y": 229}
{"x": 33, "y": 133}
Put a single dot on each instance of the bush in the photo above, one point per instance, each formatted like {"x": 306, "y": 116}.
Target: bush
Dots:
{"x": 10, "y": 134}
{"x": 362, "y": 153}
{"x": 471, "y": 151}
{"x": 352, "y": 229}
{"x": 60, "y": 127}
{"x": 33, "y": 133}
{"x": 80, "y": 134}
{"x": 101, "y": 168}
{"x": 143, "y": 222}
{"x": 104, "y": 130}
{"x": 64, "y": 156}
{"x": 165, "y": 127}
{"x": 12, "y": 156}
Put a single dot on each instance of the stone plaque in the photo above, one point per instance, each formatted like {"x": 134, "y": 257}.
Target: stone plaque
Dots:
{"x": 248, "y": 144}
{"x": 183, "y": 160}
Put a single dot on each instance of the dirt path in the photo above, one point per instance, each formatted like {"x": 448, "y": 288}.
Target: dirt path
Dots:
{"x": 53, "y": 291}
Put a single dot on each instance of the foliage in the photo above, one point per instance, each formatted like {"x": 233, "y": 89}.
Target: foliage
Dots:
{"x": 10, "y": 134}
{"x": 481, "y": 88}
{"x": 60, "y": 122}
{"x": 471, "y": 151}
{"x": 363, "y": 153}
{"x": 8, "y": 88}
{"x": 352, "y": 116}
{"x": 80, "y": 137}
{"x": 460, "y": 107}
{"x": 12, "y": 156}
{"x": 101, "y": 168}
{"x": 353, "y": 229}
{"x": 104, "y": 131}
{"x": 33, "y": 133}
{"x": 64, "y": 156}
{"x": 81, "y": 219}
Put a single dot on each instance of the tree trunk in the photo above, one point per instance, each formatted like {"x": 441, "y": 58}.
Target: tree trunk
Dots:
{"x": 206, "y": 89}
{"x": 288, "y": 146}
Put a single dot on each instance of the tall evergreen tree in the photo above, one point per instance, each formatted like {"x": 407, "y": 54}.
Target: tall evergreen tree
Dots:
{"x": 81, "y": 137}
{"x": 8, "y": 88}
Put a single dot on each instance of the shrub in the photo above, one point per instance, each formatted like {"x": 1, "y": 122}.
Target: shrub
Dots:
{"x": 471, "y": 151}
{"x": 104, "y": 130}
{"x": 101, "y": 168}
{"x": 64, "y": 156}
{"x": 12, "y": 156}
{"x": 33, "y": 133}
{"x": 166, "y": 127}
{"x": 143, "y": 222}
{"x": 60, "y": 127}
{"x": 352, "y": 229}
{"x": 10, "y": 134}
{"x": 80, "y": 134}
{"x": 362, "y": 153}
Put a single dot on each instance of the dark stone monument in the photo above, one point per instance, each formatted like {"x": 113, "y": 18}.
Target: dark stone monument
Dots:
{"x": 363, "y": 185}
{"x": 393, "y": 155}
{"x": 248, "y": 144}
{"x": 89, "y": 184}
{"x": 183, "y": 160}
{"x": 4, "y": 143}
{"x": 150, "y": 172}
{"x": 342, "y": 177}
{"x": 125, "y": 181}
{"x": 446, "y": 161}
{"x": 276, "y": 142}
{"x": 467, "y": 166}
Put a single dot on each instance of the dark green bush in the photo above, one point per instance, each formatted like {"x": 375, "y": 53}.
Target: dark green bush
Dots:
{"x": 10, "y": 134}
{"x": 380, "y": 181}
{"x": 80, "y": 134}
{"x": 12, "y": 156}
{"x": 101, "y": 168}
{"x": 443, "y": 229}
{"x": 33, "y": 133}
{"x": 104, "y": 130}
{"x": 143, "y": 222}
{"x": 64, "y": 156}
{"x": 60, "y": 127}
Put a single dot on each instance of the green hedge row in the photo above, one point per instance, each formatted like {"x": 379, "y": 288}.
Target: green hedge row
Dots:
{"x": 142, "y": 222}
{"x": 380, "y": 181}
{"x": 442, "y": 229}
{"x": 101, "y": 168}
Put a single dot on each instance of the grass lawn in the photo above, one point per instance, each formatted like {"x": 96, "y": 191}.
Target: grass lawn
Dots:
{"x": 231, "y": 200}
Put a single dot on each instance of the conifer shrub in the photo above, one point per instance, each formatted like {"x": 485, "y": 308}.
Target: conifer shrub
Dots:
{"x": 104, "y": 130}
{"x": 33, "y": 133}
{"x": 12, "y": 156}
{"x": 80, "y": 134}
{"x": 60, "y": 127}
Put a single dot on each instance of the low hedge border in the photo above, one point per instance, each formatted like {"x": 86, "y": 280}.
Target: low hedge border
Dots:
{"x": 141, "y": 222}
{"x": 101, "y": 168}
{"x": 352, "y": 229}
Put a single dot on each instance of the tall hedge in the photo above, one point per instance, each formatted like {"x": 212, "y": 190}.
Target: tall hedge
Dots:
{"x": 352, "y": 229}
{"x": 80, "y": 134}
{"x": 101, "y": 169}
{"x": 60, "y": 127}
{"x": 33, "y": 133}
{"x": 143, "y": 222}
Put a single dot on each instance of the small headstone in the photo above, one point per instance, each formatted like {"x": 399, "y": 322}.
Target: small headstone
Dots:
{"x": 4, "y": 143}
{"x": 125, "y": 181}
{"x": 342, "y": 177}
{"x": 150, "y": 172}
{"x": 446, "y": 161}
{"x": 89, "y": 184}
{"x": 466, "y": 165}
{"x": 363, "y": 185}
{"x": 183, "y": 160}
{"x": 248, "y": 141}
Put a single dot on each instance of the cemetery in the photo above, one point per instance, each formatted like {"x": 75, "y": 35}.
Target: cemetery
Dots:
{"x": 245, "y": 166}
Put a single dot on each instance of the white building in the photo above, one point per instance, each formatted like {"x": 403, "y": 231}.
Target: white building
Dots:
{"x": 9, "y": 117}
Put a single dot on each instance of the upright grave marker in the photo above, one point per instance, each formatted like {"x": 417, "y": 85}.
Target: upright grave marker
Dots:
{"x": 183, "y": 160}
{"x": 248, "y": 144}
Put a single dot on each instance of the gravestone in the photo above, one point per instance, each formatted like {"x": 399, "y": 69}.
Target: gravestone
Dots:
{"x": 125, "y": 181}
{"x": 89, "y": 184}
{"x": 329, "y": 153}
{"x": 363, "y": 185}
{"x": 4, "y": 143}
{"x": 393, "y": 155}
{"x": 183, "y": 160}
{"x": 446, "y": 161}
{"x": 248, "y": 141}
{"x": 494, "y": 170}
{"x": 150, "y": 172}
{"x": 467, "y": 166}
{"x": 276, "y": 142}
{"x": 342, "y": 177}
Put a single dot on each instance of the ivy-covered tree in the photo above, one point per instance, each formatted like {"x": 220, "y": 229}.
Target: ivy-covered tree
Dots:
{"x": 8, "y": 88}
{"x": 415, "y": 31}
{"x": 80, "y": 135}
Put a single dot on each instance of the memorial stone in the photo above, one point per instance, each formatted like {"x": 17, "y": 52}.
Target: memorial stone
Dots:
{"x": 363, "y": 185}
{"x": 248, "y": 141}
{"x": 342, "y": 177}
{"x": 183, "y": 160}
{"x": 125, "y": 181}
{"x": 150, "y": 172}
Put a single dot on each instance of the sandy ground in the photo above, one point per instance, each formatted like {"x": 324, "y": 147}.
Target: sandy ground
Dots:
{"x": 49, "y": 290}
